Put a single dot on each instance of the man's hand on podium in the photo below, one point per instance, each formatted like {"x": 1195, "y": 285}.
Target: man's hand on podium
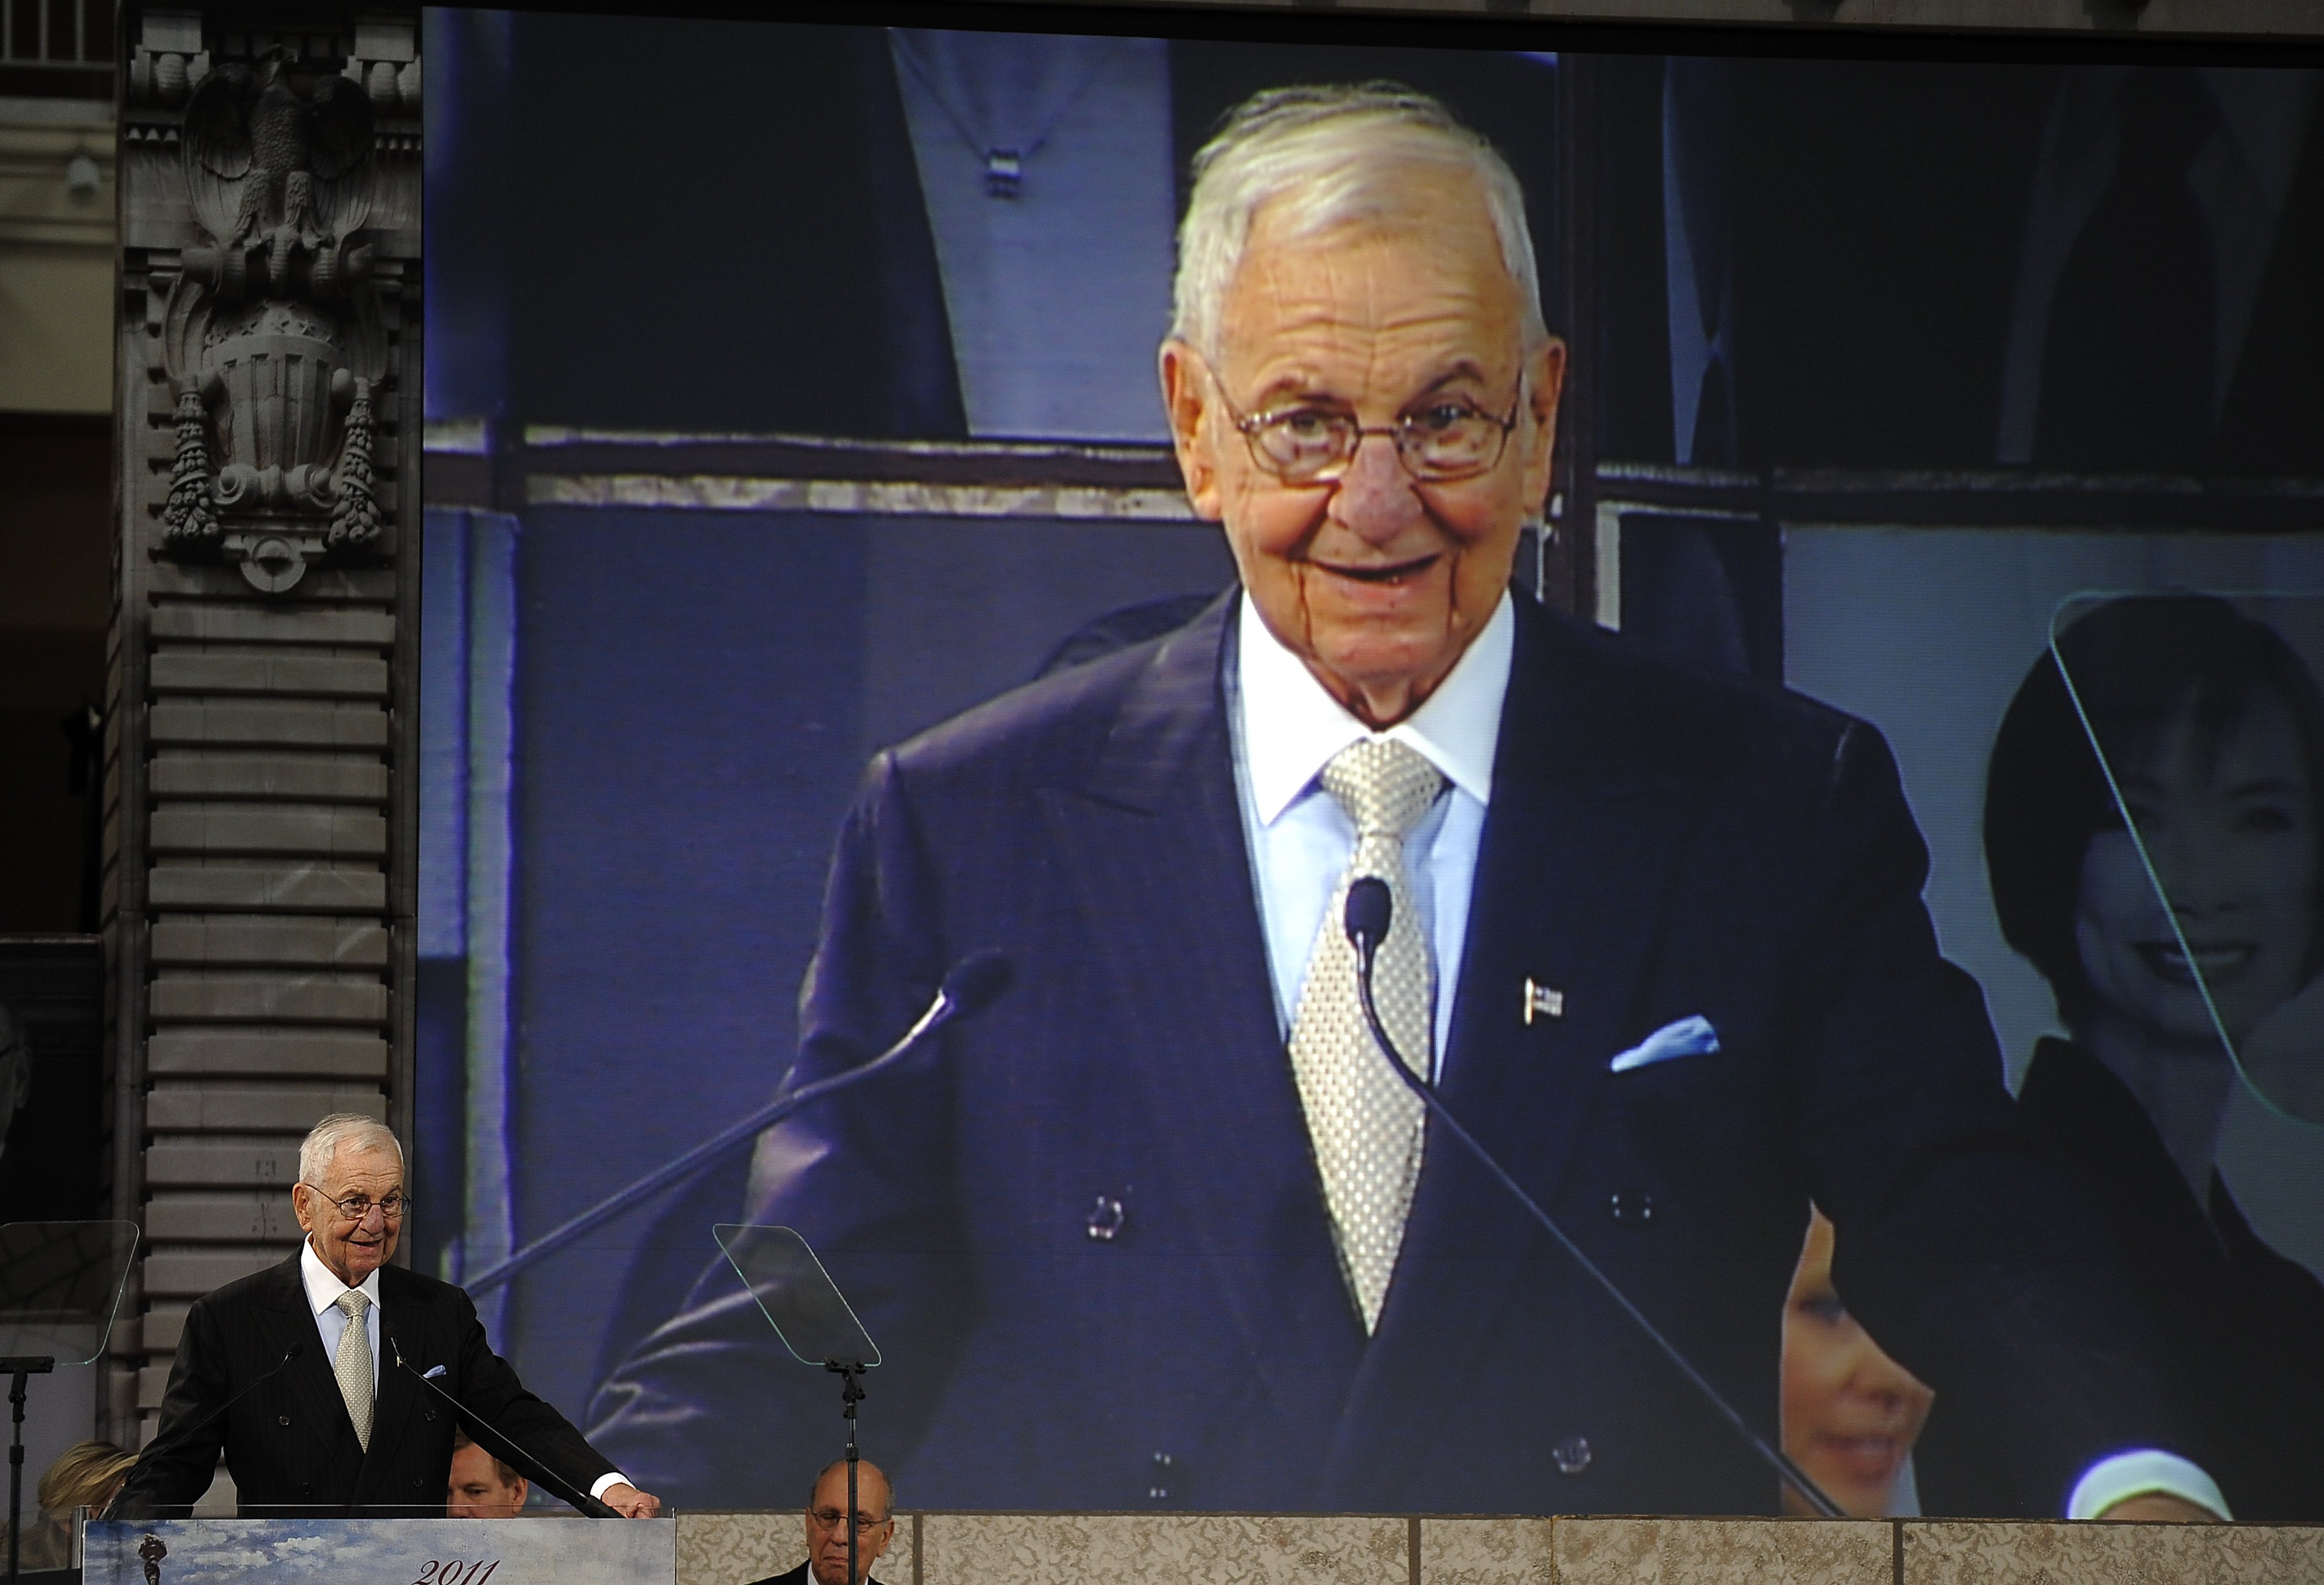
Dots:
{"x": 630, "y": 1503}
{"x": 2152, "y": 1507}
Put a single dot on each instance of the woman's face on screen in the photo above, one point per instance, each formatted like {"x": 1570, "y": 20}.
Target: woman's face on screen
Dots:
{"x": 2229, "y": 823}
{"x": 1851, "y": 1414}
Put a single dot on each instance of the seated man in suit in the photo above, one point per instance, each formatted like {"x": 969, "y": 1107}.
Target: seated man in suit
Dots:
{"x": 1656, "y": 936}
{"x": 482, "y": 1487}
{"x": 307, "y": 1375}
{"x": 827, "y": 1522}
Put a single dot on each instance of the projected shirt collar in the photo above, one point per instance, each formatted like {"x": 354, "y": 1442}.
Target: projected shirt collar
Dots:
{"x": 1291, "y": 727}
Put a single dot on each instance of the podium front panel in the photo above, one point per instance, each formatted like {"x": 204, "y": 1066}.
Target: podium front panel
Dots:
{"x": 383, "y": 1551}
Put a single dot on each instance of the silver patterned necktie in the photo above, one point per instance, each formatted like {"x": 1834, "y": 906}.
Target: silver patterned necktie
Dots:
{"x": 1366, "y": 1125}
{"x": 353, "y": 1365}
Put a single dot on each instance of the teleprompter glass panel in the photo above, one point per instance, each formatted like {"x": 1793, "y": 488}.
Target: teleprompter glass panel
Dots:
{"x": 797, "y": 1296}
{"x": 60, "y": 1286}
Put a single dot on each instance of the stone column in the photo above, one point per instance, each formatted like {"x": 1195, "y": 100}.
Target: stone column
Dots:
{"x": 258, "y": 890}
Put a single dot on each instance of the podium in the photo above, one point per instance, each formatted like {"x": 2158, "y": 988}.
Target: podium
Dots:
{"x": 391, "y": 1552}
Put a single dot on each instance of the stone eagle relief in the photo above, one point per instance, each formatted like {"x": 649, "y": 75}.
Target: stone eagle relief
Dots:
{"x": 272, "y": 338}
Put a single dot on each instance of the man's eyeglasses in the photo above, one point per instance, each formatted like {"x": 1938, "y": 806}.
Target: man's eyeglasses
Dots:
{"x": 829, "y": 1518}
{"x": 356, "y": 1207}
{"x": 1445, "y": 441}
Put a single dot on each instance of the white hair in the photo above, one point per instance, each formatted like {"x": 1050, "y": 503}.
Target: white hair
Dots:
{"x": 341, "y": 1131}
{"x": 1328, "y": 156}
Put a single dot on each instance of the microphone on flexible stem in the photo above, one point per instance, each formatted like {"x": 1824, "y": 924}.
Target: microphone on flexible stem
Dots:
{"x": 975, "y": 983}
{"x": 498, "y": 1443}
{"x": 173, "y": 1441}
{"x": 1369, "y": 912}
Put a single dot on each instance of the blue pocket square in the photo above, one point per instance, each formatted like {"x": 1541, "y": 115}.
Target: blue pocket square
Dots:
{"x": 1689, "y": 1037}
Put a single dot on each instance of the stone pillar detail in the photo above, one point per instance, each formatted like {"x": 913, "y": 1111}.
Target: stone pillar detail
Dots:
{"x": 258, "y": 890}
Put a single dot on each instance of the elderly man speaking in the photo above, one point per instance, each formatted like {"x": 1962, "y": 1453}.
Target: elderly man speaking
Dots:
{"x": 294, "y": 1375}
{"x": 1162, "y": 1229}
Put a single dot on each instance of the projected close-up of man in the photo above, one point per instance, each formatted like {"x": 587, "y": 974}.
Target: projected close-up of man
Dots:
{"x": 1393, "y": 413}
{"x": 1709, "y": 891}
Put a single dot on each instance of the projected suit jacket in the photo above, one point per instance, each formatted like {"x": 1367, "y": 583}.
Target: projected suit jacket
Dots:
{"x": 1089, "y": 1236}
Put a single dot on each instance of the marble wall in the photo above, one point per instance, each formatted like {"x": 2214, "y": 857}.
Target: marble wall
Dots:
{"x": 1217, "y": 1549}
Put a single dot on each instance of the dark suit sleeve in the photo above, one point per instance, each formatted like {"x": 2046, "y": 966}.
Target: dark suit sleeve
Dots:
{"x": 488, "y": 1384}
{"x": 710, "y": 1404}
{"x": 1970, "y": 1253}
{"x": 176, "y": 1467}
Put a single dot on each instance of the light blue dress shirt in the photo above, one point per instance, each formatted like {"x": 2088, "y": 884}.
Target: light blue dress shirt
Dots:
{"x": 323, "y": 1291}
{"x": 1286, "y": 729}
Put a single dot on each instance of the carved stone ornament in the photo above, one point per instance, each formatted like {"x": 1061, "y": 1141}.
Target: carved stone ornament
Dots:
{"x": 272, "y": 336}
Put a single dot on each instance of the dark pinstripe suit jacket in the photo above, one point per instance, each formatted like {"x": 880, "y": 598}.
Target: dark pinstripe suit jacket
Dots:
{"x": 1090, "y": 1238}
{"x": 289, "y": 1443}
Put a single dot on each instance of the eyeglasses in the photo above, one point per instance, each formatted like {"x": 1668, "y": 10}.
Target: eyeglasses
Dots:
{"x": 1443, "y": 442}
{"x": 829, "y": 1518}
{"x": 356, "y": 1207}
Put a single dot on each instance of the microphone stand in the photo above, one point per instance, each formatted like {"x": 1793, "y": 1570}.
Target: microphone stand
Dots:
{"x": 851, "y": 1392}
{"x": 17, "y": 1370}
{"x": 497, "y": 1442}
{"x": 1369, "y": 907}
{"x": 973, "y": 983}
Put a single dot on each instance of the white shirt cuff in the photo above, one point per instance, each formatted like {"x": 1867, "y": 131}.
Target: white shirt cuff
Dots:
{"x": 606, "y": 1483}
{"x": 2137, "y": 1474}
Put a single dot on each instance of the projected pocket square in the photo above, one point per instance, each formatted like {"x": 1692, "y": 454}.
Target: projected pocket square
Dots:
{"x": 1689, "y": 1037}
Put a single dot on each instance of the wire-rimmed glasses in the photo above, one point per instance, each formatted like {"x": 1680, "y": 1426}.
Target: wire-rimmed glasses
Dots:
{"x": 356, "y": 1207}
{"x": 1443, "y": 441}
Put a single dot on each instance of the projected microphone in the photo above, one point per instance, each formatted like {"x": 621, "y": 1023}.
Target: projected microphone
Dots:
{"x": 975, "y": 983}
{"x": 498, "y": 1443}
{"x": 1370, "y": 910}
{"x": 176, "y": 1438}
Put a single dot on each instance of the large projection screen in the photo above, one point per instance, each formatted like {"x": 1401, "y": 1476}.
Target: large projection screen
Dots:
{"x": 793, "y": 390}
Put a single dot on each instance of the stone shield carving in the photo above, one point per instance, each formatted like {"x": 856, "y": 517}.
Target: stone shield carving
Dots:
{"x": 272, "y": 336}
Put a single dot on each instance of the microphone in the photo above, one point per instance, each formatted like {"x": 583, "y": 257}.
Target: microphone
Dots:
{"x": 175, "y": 1439}
{"x": 976, "y": 982}
{"x": 498, "y": 1443}
{"x": 1368, "y": 914}
{"x": 1371, "y": 908}
{"x": 972, "y": 985}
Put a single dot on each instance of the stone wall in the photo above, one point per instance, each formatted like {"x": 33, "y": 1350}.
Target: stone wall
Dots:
{"x": 1150, "y": 1549}
{"x": 257, "y": 891}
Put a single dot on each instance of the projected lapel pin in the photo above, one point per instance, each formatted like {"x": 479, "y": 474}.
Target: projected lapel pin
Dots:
{"x": 1542, "y": 1001}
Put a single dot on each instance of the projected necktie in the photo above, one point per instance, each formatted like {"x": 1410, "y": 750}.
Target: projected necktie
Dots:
{"x": 353, "y": 1365}
{"x": 1366, "y": 1125}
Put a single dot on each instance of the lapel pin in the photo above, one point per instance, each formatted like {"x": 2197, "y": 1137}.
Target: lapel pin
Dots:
{"x": 1542, "y": 1001}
